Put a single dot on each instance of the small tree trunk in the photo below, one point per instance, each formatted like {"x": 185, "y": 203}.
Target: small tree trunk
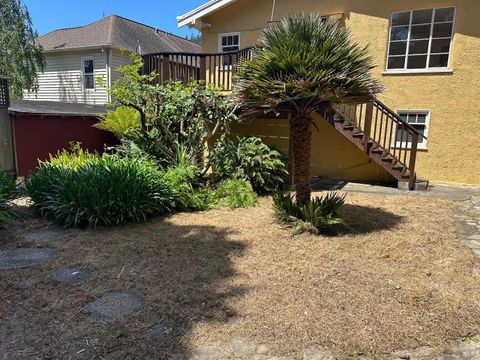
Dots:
{"x": 301, "y": 134}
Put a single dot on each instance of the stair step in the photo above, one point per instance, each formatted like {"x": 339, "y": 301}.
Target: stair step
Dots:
{"x": 339, "y": 119}
{"x": 388, "y": 158}
{"x": 398, "y": 166}
{"x": 377, "y": 150}
{"x": 358, "y": 135}
{"x": 348, "y": 127}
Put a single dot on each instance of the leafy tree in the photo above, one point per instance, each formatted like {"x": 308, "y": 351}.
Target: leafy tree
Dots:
{"x": 176, "y": 120}
{"x": 304, "y": 65}
{"x": 20, "y": 56}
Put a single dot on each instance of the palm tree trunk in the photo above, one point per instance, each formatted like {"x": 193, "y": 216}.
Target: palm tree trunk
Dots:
{"x": 301, "y": 134}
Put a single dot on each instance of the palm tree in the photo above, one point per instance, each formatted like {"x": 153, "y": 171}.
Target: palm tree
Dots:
{"x": 304, "y": 65}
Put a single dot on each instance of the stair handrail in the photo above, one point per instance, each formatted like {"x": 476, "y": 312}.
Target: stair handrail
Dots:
{"x": 392, "y": 113}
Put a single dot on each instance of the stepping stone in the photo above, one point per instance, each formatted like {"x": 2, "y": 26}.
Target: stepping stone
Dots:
{"x": 24, "y": 257}
{"x": 116, "y": 305}
{"x": 315, "y": 353}
{"x": 158, "y": 331}
{"x": 42, "y": 235}
{"x": 73, "y": 275}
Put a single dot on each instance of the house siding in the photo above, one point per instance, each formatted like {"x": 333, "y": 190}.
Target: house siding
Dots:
{"x": 453, "y": 98}
{"x": 118, "y": 58}
{"x": 62, "y": 80}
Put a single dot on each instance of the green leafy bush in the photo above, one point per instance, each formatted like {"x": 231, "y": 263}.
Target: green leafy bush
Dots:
{"x": 187, "y": 195}
{"x": 250, "y": 159}
{"x": 7, "y": 192}
{"x": 79, "y": 191}
{"x": 316, "y": 216}
{"x": 235, "y": 193}
{"x": 168, "y": 114}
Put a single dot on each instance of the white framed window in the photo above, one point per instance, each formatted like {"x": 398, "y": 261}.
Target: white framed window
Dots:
{"x": 420, "y": 120}
{"x": 88, "y": 70}
{"x": 420, "y": 40}
{"x": 229, "y": 42}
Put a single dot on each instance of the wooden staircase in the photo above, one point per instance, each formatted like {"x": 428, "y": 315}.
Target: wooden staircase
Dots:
{"x": 382, "y": 135}
{"x": 372, "y": 127}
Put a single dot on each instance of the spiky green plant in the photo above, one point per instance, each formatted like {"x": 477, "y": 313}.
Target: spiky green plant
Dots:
{"x": 304, "y": 65}
{"x": 316, "y": 216}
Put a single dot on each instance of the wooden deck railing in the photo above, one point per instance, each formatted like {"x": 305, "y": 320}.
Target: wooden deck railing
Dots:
{"x": 384, "y": 131}
{"x": 213, "y": 68}
{"x": 4, "y": 94}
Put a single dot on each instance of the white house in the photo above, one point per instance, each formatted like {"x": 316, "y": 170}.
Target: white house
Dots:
{"x": 77, "y": 56}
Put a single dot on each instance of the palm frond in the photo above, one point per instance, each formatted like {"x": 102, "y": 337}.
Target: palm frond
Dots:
{"x": 305, "y": 63}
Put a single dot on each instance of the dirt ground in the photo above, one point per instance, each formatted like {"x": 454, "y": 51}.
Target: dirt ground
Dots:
{"x": 397, "y": 279}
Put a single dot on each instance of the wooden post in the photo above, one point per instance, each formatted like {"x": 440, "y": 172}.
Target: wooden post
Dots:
{"x": 413, "y": 159}
{"x": 203, "y": 68}
{"x": 7, "y": 152}
{"x": 368, "y": 126}
{"x": 165, "y": 68}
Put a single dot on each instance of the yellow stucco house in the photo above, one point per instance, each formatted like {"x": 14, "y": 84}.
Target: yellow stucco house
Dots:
{"x": 427, "y": 54}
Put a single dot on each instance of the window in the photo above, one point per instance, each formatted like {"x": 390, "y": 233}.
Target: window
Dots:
{"x": 229, "y": 42}
{"x": 226, "y": 43}
{"x": 419, "y": 120}
{"x": 420, "y": 39}
{"x": 88, "y": 78}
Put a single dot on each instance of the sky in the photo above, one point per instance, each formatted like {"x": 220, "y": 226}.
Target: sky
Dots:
{"x": 48, "y": 15}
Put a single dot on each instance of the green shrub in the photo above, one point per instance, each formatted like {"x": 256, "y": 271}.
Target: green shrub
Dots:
{"x": 123, "y": 121}
{"x": 235, "y": 193}
{"x": 187, "y": 195}
{"x": 72, "y": 158}
{"x": 7, "y": 192}
{"x": 99, "y": 190}
{"x": 316, "y": 216}
{"x": 250, "y": 159}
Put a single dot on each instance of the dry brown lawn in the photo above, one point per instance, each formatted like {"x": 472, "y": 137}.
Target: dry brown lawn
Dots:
{"x": 397, "y": 279}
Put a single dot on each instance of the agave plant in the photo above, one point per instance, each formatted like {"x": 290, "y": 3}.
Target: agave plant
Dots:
{"x": 304, "y": 65}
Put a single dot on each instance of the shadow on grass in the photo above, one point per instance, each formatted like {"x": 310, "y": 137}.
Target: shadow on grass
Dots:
{"x": 185, "y": 273}
{"x": 183, "y": 270}
{"x": 363, "y": 220}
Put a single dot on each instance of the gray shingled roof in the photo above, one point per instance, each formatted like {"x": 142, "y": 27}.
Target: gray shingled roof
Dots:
{"x": 117, "y": 32}
{"x": 55, "y": 108}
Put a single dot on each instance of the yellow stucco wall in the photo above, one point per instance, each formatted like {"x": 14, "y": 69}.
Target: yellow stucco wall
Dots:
{"x": 333, "y": 156}
{"x": 453, "y": 149}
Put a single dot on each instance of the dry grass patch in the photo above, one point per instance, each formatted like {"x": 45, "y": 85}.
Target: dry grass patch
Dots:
{"x": 398, "y": 279}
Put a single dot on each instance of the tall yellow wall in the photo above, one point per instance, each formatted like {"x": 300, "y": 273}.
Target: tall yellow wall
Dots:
{"x": 453, "y": 150}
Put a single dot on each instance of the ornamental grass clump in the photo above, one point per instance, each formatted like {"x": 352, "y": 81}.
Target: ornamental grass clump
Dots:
{"x": 317, "y": 216}
{"x": 99, "y": 190}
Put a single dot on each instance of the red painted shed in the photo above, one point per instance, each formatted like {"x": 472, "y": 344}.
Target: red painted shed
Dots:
{"x": 42, "y": 128}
